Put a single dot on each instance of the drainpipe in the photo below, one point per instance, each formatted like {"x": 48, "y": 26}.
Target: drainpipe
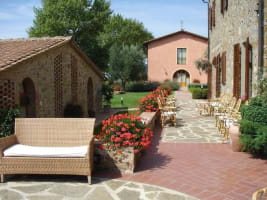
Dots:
{"x": 261, "y": 36}
{"x": 208, "y": 4}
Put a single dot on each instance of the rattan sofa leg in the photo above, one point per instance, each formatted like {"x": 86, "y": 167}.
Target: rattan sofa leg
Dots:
{"x": 2, "y": 178}
{"x": 89, "y": 180}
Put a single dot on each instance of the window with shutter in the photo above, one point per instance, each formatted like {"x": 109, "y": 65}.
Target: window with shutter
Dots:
{"x": 237, "y": 72}
{"x": 222, "y": 6}
{"x": 225, "y": 5}
{"x": 210, "y": 18}
{"x": 213, "y": 13}
{"x": 218, "y": 76}
{"x": 224, "y": 68}
{"x": 248, "y": 70}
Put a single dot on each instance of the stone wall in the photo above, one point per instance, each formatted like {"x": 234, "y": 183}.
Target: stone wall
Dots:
{"x": 40, "y": 69}
{"x": 239, "y": 22}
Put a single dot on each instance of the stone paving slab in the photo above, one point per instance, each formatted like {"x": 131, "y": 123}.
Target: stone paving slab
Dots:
{"x": 192, "y": 128}
{"x": 75, "y": 187}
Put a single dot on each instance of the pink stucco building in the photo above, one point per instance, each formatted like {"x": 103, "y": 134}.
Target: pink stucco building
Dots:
{"x": 172, "y": 57}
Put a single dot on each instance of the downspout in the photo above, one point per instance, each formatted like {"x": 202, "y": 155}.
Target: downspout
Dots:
{"x": 208, "y": 5}
{"x": 261, "y": 38}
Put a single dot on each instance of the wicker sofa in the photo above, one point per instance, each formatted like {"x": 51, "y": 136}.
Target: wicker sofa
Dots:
{"x": 54, "y": 133}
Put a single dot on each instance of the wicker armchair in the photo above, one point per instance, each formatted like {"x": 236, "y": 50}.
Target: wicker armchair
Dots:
{"x": 47, "y": 132}
{"x": 260, "y": 194}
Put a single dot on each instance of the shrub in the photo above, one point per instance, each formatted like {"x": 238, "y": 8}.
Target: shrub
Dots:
{"x": 124, "y": 130}
{"x": 73, "y": 111}
{"x": 142, "y": 86}
{"x": 256, "y": 144}
{"x": 116, "y": 87}
{"x": 197, "y": 85}
{"x": 198, "y": 93}
{"x": 253, "y": 126}
{"x": 107, "y": 92}
{"x": 174, "y": 85}
{"x": 249, "y": 127}
{"x": 256, "y": 111}
{"x": 7, "y": 121}
{"x": 167, "y": 88}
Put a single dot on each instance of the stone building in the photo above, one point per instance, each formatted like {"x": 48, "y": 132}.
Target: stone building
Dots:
{"x": 42, "y": 75}
{"x": 172, "y": 57}
{"x": 236, "y": 47}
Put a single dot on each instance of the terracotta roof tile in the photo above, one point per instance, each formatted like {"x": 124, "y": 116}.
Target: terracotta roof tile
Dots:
{"x": 13, "y": 51}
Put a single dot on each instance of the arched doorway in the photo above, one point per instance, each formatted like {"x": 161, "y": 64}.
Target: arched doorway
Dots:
{"x": 90, "y": 95}
{"x": 182, "y": 77}
{"x": 30, "y": 95}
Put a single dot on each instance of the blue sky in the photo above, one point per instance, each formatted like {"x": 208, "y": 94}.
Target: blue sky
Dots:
{"x": 160, "y": 17}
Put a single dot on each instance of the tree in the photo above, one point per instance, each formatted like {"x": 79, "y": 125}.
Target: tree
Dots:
{"x": 82, "y": 19}
{"x": 126, "y": 63}
{"x": 203, "y": 63}
{"x": 125, "y": 31}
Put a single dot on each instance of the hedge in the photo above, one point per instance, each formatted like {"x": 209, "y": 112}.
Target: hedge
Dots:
{"x": 197, "y": 85}
{"x": 198, "y": 93}
{"x": 149, "y": 86}
{"x": 253, "y": 126}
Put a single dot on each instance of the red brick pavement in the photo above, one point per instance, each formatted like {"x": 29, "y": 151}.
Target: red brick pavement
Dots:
{"x": 206, "y": 171}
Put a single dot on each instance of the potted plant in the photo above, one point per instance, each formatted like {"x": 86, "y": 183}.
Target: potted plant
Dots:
{"x": 107, "y": 92}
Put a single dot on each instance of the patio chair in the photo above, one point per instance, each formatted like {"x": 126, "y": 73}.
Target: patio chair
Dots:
{"x": 167, "y": 113}
{"x": 260, "y": 194}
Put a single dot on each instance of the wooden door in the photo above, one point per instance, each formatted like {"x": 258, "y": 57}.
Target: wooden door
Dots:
{"x": 183, "y": 78}
{"x": 237, "y": 72}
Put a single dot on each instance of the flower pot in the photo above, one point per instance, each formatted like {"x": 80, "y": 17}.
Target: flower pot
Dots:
{"x": 235, "y": 140}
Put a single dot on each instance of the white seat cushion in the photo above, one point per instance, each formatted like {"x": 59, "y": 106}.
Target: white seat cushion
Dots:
{"x": 19, "y": 150}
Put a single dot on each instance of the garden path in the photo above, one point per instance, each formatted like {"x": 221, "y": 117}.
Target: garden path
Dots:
{"x": 192, "y": 128}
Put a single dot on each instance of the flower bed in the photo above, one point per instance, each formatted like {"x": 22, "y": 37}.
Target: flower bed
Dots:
{"x": 150, "y": 102}
{"x": 121, "y": 139}
{"x": 124, "y": 130}
{"x": 123, "y": 136}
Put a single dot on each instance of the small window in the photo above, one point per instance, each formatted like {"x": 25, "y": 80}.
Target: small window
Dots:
{"x": 181, "y": 56}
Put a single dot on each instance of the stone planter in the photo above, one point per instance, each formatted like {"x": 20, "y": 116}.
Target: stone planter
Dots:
{"x": 123, "y": 163}
{"x": 235, "y": 140}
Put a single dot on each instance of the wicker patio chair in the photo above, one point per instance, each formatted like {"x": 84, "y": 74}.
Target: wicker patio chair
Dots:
{"x": 167, "y": 113}
{"x": 260, "y": 194}
{"x": 48, "y": 132}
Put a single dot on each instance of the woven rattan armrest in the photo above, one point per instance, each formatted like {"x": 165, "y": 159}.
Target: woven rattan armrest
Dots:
{"x": 7, "y": 142}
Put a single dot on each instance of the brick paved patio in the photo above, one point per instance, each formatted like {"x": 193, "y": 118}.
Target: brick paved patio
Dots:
{"x": 207, "y": 171}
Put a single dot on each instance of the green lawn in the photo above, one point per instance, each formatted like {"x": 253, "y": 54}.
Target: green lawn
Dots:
{"x": 130, "y": 99}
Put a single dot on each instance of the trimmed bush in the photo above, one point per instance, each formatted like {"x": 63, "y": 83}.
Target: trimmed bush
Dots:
{"x": 7, "y": 121}
{"x": 253, "y": 126}
{"x": 255, "y": 113}
{"x": 198, "y": 93}
{"x": 197, "y": 85}
{"x": 73, "y": 111}
{"x": 174, "y": 85}
{"x": 142, "y": 86}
